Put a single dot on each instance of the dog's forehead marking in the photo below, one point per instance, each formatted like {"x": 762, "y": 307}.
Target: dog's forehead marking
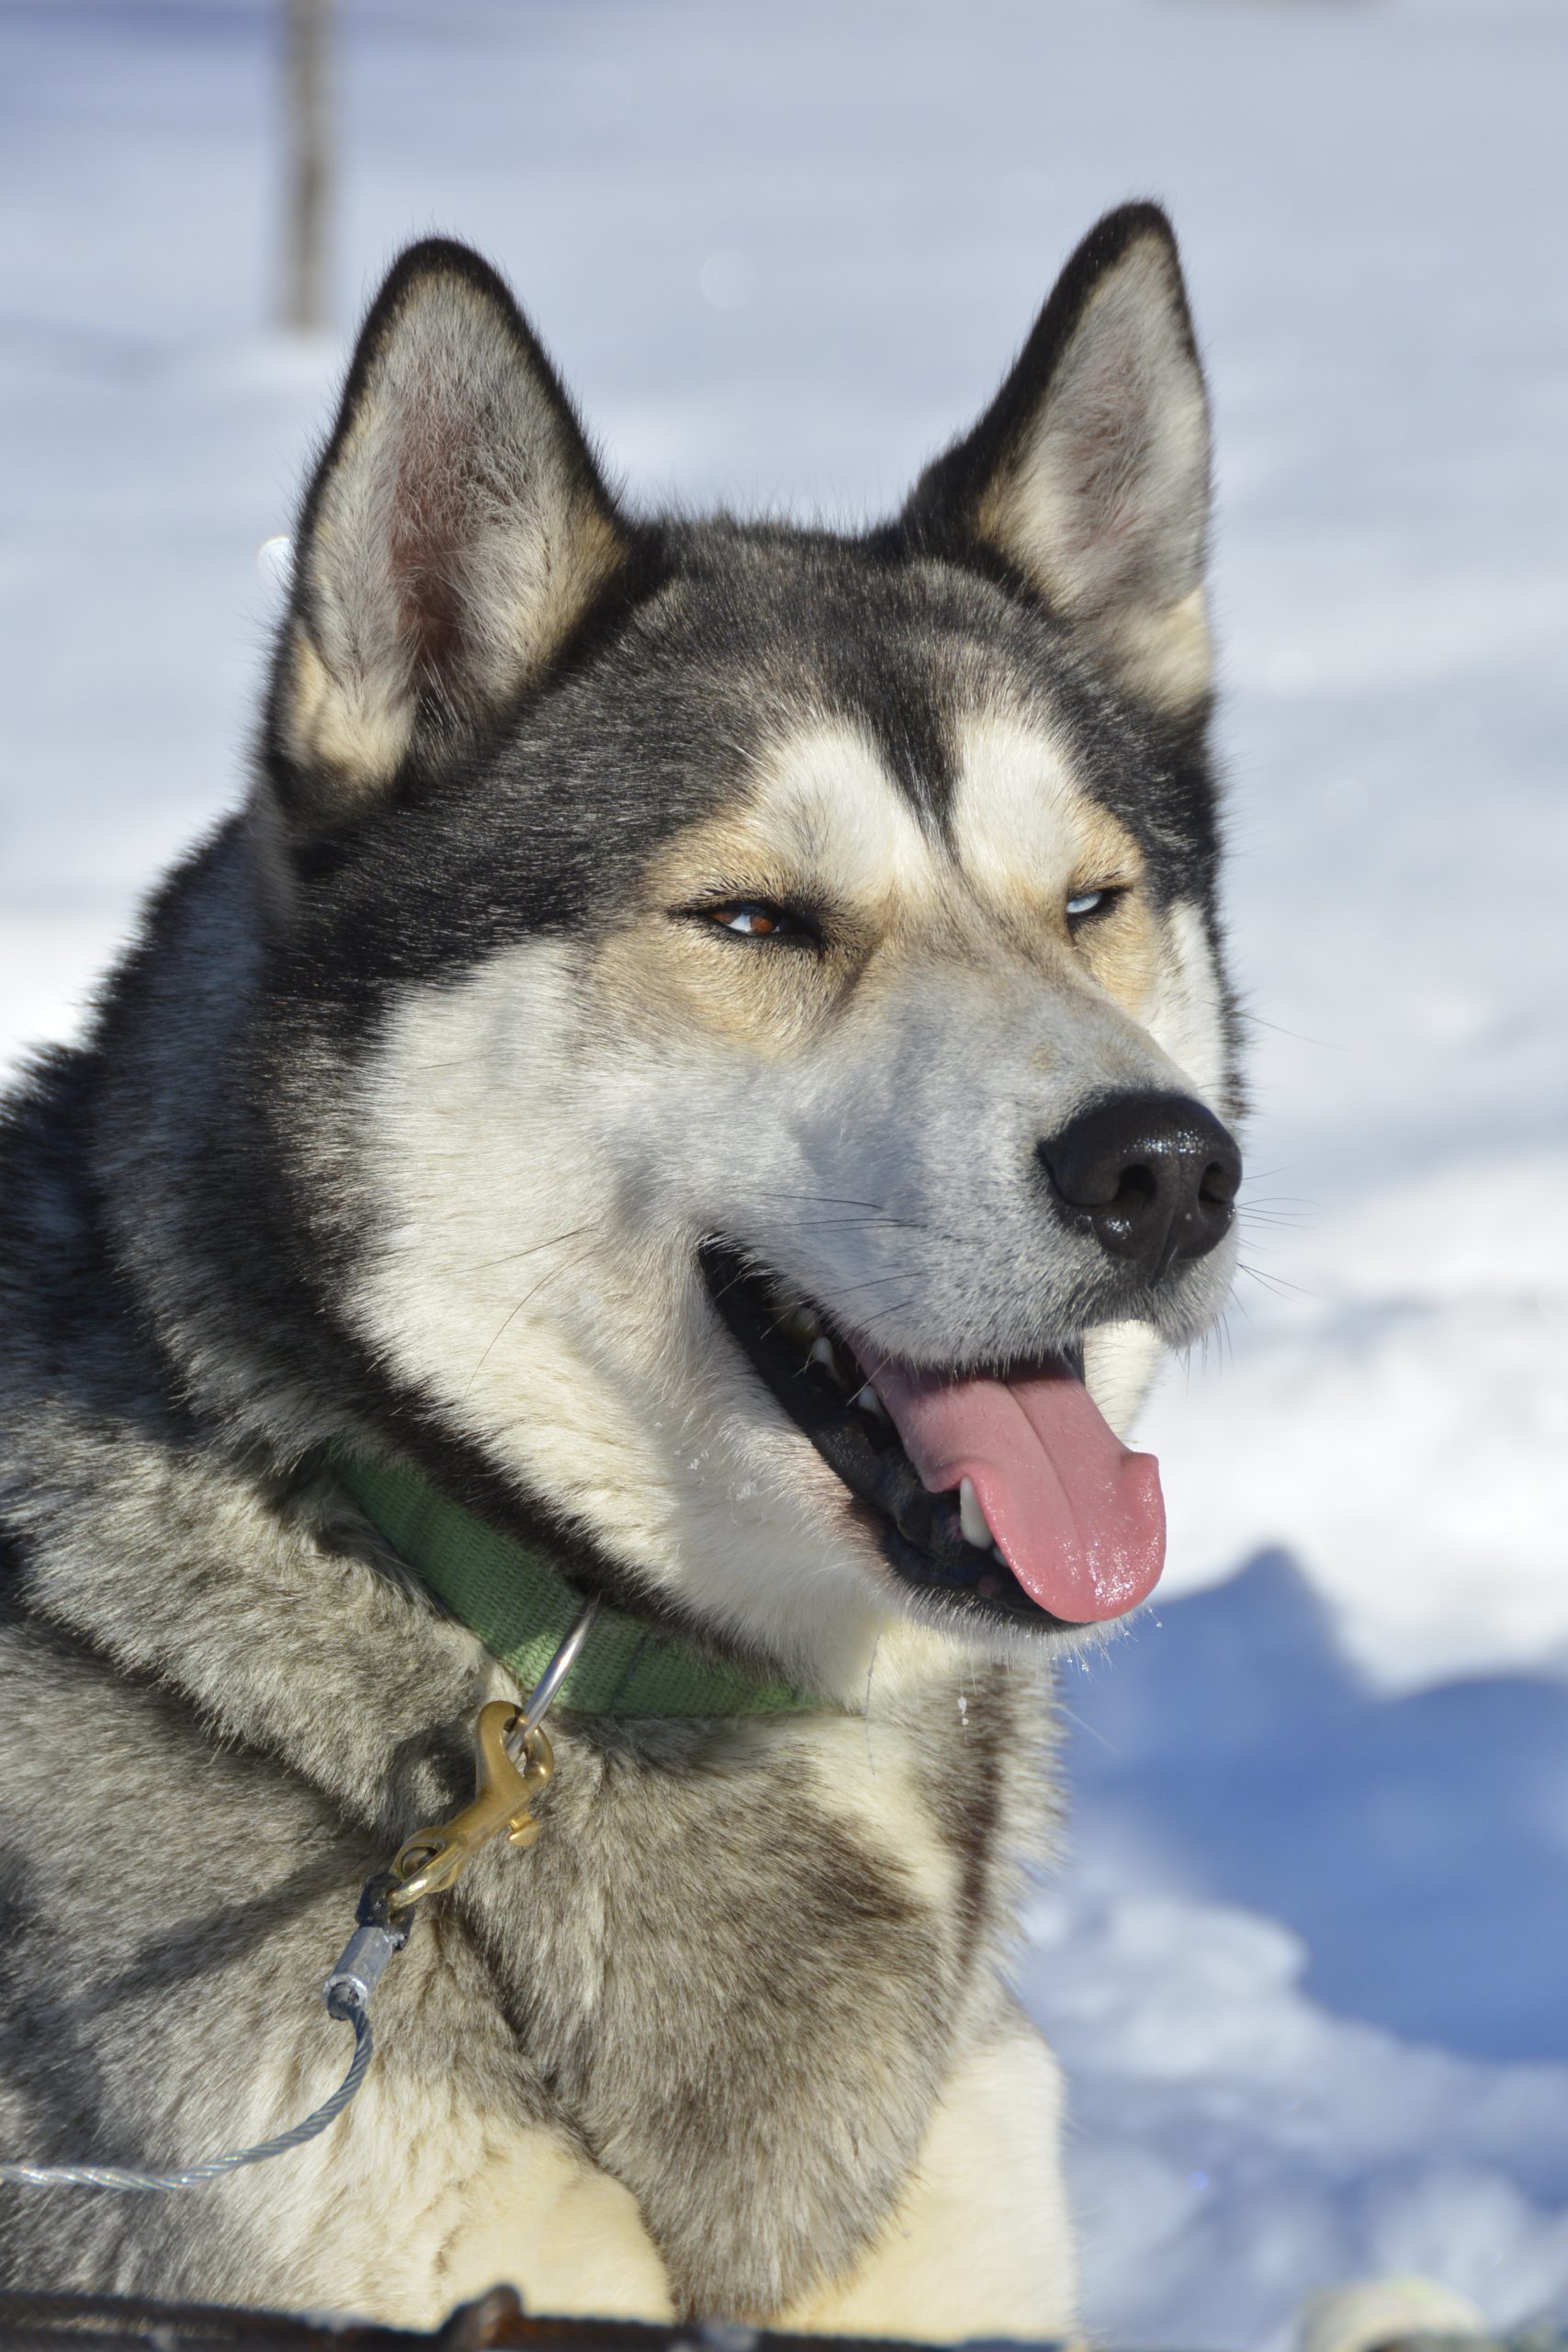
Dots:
{"x": 825, "y": 809}
{"x": 824, "y": 804}
{"x": 1022, "y": 823}
{"x": 1021, "y": 826}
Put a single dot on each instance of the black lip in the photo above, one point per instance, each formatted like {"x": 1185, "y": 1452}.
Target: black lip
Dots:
{"x": 918, "y": 1531}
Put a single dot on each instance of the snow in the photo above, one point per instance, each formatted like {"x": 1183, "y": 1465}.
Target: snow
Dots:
{"x": 1304, "y": 1968}
{"x": 1306, "y": 1972}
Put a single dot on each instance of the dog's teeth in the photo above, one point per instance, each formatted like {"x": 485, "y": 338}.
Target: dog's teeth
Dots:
{"x": 997, "y": 1553}
{"x": 972, "y": 1518}
{"x": 795, "y": 1319}
{"x": 870, "y": 1403}
{"x": 822, "y": 1353}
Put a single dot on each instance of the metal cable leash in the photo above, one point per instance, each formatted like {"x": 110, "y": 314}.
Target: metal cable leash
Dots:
{"x": 427, "y": 1863}
{"x": 126, "y": 2176}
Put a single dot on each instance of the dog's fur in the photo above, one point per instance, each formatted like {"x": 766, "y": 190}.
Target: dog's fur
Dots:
{"x": 404, "y": 1122}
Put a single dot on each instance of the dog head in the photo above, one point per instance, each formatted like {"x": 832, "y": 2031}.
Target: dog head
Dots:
{"x": 748, "y": 1046}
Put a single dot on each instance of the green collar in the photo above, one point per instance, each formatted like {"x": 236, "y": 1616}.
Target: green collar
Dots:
{"x": 522, "y": 1608}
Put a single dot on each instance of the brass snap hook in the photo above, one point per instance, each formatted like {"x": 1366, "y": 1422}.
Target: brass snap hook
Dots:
{"x": 432, "y": 1860}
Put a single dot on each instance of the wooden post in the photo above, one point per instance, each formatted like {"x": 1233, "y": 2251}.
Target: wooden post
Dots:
{"x": 306, "y": 194}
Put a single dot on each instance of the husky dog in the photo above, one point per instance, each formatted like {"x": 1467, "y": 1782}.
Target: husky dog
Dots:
{"x": 705, "y": 1050}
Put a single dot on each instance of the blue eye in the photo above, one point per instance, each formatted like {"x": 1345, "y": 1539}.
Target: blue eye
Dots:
{"x": 1085, "y": 902}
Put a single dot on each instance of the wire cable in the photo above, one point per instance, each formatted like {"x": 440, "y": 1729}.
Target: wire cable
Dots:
{"x": 127, "y": 2176}
{"x": 377, "y": 1939}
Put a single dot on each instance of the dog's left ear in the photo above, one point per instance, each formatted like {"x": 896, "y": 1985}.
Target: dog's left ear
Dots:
{"x": 1088, "y": 478}
{"x": 455, "y": 537}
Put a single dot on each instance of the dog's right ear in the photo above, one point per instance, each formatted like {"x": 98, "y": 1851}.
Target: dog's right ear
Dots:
{"x": 455, "y": 537}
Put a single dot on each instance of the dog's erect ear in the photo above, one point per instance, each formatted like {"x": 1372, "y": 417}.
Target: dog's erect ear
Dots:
{"x": 456, "y": 534}
{"x": 1088, "y": 475}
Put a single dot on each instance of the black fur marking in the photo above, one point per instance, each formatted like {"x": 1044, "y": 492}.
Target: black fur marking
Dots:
{"x": 564, "y": 803}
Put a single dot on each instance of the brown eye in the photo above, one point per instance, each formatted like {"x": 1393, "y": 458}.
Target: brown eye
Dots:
{"x": 755, "y": 919}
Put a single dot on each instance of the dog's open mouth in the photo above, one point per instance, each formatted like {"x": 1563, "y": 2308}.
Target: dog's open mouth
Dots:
{"x": 1002, "y": 1494}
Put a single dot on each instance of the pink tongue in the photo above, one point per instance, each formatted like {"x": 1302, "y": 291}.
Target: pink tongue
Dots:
{"x": 1081, "y": 1520}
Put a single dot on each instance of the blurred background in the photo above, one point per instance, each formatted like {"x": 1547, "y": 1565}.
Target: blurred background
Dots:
{"x": 1305, "y": 1965}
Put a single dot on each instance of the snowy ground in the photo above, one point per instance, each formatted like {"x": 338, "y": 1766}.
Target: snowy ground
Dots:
{"x": 1306, "y": 1970}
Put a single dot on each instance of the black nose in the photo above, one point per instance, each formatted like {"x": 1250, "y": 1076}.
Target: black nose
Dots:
{"x": 1156, "y": 1175}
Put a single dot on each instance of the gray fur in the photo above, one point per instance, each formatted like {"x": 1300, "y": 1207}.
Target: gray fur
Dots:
{"x": 747, "y": 1963}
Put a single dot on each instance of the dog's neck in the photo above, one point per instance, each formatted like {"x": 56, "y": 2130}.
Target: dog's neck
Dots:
{"x": 523, "y": 1607}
